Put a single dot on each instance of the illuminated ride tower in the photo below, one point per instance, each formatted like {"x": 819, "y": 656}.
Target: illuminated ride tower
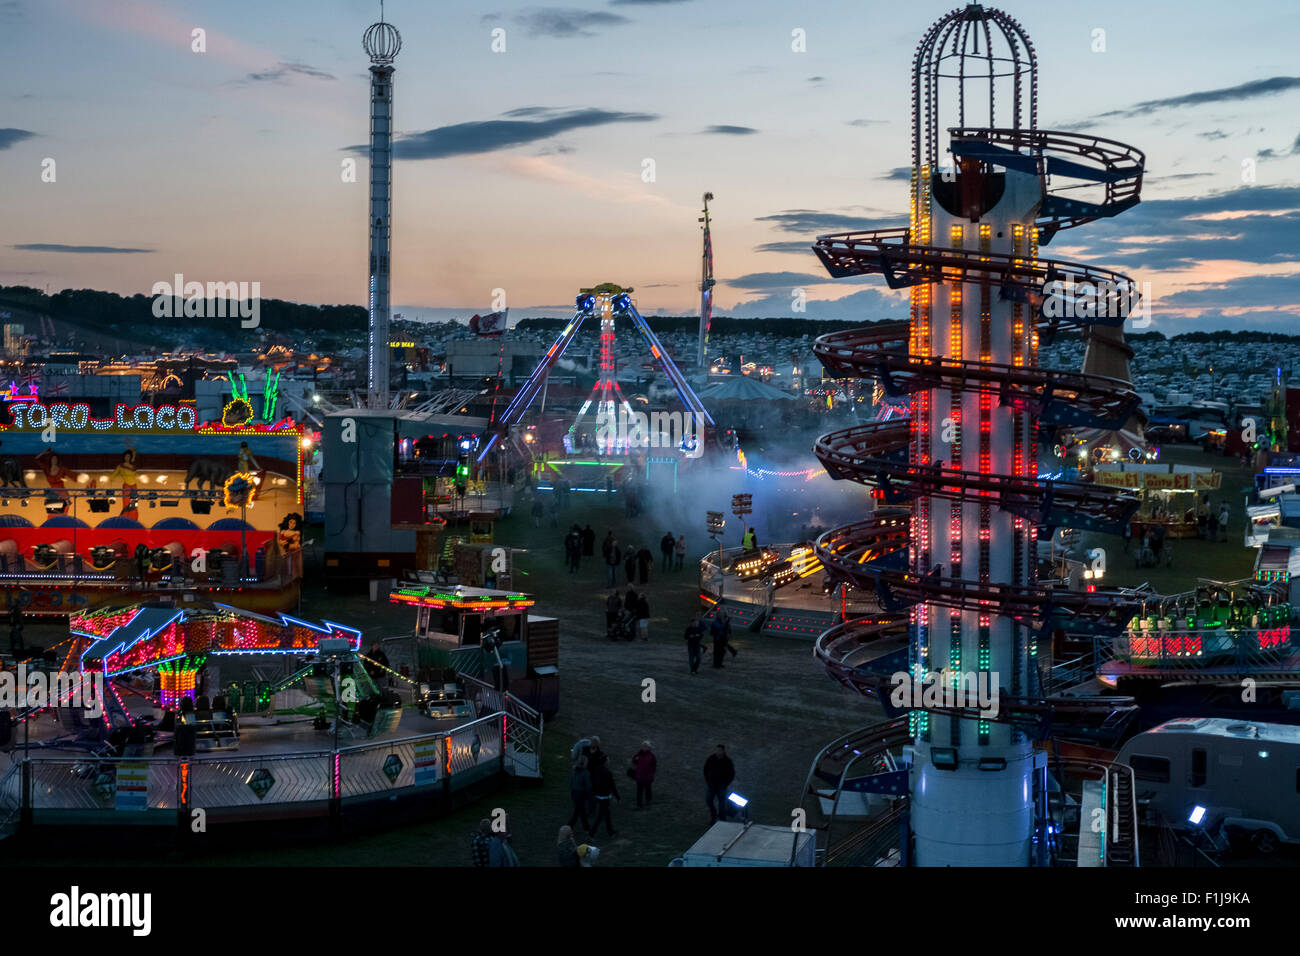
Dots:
{"x": 951, "y": 550}
{"x": 382, "y": 43}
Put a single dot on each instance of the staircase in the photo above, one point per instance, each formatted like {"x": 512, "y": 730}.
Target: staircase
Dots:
{"x": 1121, "y": 813}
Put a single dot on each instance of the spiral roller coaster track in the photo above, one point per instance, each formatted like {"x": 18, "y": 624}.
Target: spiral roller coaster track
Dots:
{"x": 874, "y": 553}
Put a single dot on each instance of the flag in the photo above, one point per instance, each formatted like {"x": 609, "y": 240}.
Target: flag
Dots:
{"x": 494, "y": 323}
{"x": 397, "y": 315}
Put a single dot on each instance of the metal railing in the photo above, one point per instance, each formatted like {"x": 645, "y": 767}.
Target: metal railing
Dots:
{"x": 11, "y": 798}
{"x": 495, "y": 743}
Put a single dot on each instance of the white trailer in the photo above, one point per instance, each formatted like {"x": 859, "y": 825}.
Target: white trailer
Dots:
{"x": 1211, "y": 772}
{"x": 748, "y": 844}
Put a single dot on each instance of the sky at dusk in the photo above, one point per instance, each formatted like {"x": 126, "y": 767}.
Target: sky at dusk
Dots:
{"x": 523, "y": 170}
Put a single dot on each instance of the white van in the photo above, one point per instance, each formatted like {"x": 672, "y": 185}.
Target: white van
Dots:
{"x": 1215, "y": 771}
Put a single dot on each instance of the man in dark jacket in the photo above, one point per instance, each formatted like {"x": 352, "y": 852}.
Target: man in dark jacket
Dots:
{"x": 643, "y": 617}
{"x": 588, "y": 542}
{"x": 719, "y": 771}
{"x": 603, "y": 789}
{"x": 613, "y": 604}
{"x": 694, "y": 640}
{"x": 666, "y": 545}
{"x": 613, "y": 558}
{"x": 629, "y": 565}
{"x": 720, "y": 630}
{"x": 573, "y": 548}
{"x": 644, "y": 562}
{"x": 580, "y": 793}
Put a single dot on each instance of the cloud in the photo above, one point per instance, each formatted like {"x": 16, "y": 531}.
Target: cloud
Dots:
{"x": 810, "y": 222}
{"x": 866, "y": 122}
{"x": 1251, "y": 224}
{"x": 816, "y": 79}
{"x": 868, "y": 305}
{"x": 566, "y": 21}
{"x": 84, "y": 250}
{"x": 643, "y": 3}
{"x": 723, "y": 130}
{"x": 1227, "y": 94}
{"x": 284, "y": 70}
{"x": 902, "y": 174}
{"x": 794, "y": 245}
{"x": 1173, "y": 176}
{"x": 464, "y": 139}
{"x": 762, "y": 281}
{"x": 11, "y": 137}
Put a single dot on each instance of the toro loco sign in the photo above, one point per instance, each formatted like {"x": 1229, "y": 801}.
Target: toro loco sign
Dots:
{"x": 76, "y": 416}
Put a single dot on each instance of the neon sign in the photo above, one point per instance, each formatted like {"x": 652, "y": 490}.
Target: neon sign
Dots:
{"x": 125, "y": 417}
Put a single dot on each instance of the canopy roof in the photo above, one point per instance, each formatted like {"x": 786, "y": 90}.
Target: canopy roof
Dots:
{"x": 743, "y": 388}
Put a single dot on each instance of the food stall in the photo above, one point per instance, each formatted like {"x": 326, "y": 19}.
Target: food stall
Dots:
{"x": 1172, "y": 495}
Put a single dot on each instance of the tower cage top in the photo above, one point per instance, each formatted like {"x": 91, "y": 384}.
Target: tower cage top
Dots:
{"x": 980, "y": 51}
{"x": 382, "y": 43}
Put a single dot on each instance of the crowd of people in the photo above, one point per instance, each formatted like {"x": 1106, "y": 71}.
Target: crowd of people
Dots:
{"x": 593, "y": 789}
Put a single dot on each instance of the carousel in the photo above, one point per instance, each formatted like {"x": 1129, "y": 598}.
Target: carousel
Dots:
{"x": 146, "y": 503}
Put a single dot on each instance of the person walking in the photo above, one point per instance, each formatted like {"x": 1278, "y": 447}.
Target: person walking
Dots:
{"x": 644, "y": 562}
{"x": 595, "y": 756}
{"x": 629, "y": 565}
{"x": 750, "y": 541}
{"x": 607, "y": 544}
{"x": 580, "y": 793}
{"x": 694, "y": 642}
{"x": 613, "y": 558}
{"x": 643, "y": 617}
{"x": 588, "y": 542}
{"x": 604, "y": 789}
{"x": 680, "y": 550}
{"x": 644, "y": 763}
{"x": 566, "y": 849}
{"x": 666, "y": 545}
{"x": 613, "y": 604}
{"x": 480, "y": 850}
{"x": 719, "y": 771}
{"x": 573, "y": 548}
{"x": 1223, "y": 521}
{"x": 539, "y": 510}
{"x": 720, "y": 631}
{"x": 1212, "y": 526}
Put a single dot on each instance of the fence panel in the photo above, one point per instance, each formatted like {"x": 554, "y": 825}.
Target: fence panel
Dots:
{"x": 476, "y": 746}
{"x": 378, "y": 768}
{"x": 256, "y": 781}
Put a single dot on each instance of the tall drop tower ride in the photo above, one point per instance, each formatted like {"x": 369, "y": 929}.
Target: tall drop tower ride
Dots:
{"x": 706, "y": 287}
{"x": 381, "y": 43}
{"x": 952, "y": 550}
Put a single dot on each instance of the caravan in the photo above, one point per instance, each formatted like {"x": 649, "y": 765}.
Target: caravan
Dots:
{"x": 1215, "y": 772}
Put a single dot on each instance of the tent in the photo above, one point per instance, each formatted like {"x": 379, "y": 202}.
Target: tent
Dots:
{"x": 743, "y": 388}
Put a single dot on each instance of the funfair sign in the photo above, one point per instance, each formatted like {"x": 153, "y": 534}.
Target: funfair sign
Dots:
{"x": 76, "y": 416}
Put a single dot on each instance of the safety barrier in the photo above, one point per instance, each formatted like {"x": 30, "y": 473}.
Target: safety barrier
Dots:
{"x": 90, "y": 789}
